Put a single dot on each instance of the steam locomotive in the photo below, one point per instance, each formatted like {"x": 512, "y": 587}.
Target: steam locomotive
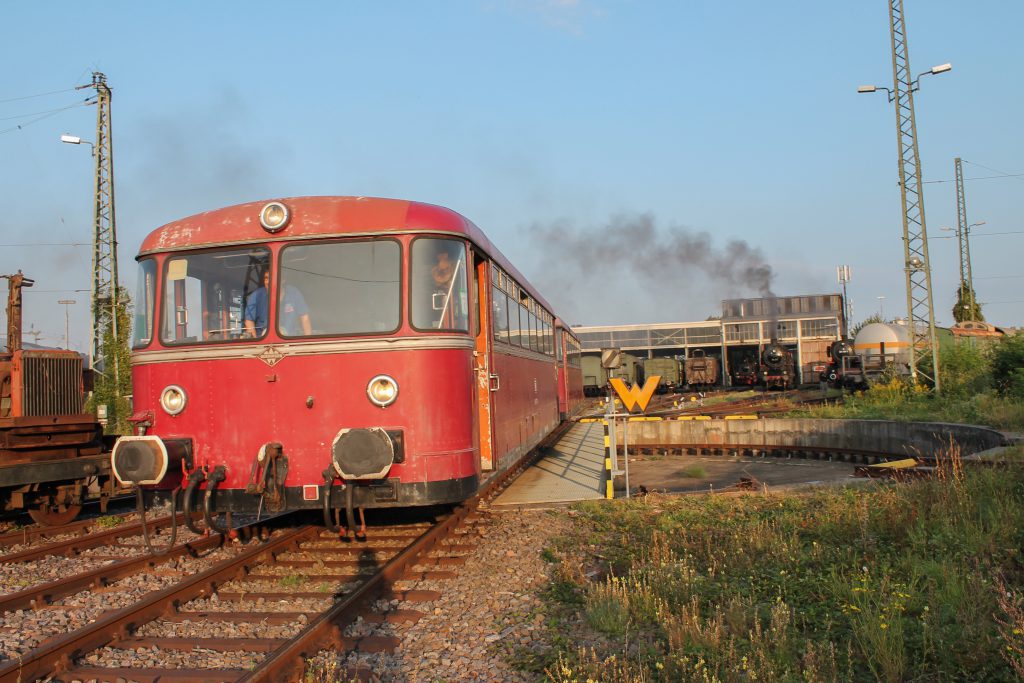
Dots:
{"x": 777, "y": 367}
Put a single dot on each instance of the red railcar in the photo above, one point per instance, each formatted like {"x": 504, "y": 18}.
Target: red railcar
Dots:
{"x": 333, "y": 352}
{"x": 570, "y": 371}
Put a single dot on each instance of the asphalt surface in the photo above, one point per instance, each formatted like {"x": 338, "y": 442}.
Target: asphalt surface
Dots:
{"x": 700, "y": 473}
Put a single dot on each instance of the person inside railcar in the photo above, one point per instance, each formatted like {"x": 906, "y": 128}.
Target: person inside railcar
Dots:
{"x": 257, "y": 309}
{"x": 294, "y": 313}
{"x": 440, "y": 294}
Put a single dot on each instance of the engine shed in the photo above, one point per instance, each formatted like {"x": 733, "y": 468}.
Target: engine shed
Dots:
{"x": 805, "y": 325}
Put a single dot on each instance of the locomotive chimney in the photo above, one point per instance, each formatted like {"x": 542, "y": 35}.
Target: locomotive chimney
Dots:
{"x": 14, "y": 284}
{"x": 773, "y": 318}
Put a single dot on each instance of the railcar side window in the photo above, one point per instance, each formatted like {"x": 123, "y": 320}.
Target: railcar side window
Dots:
{"x": 339, "y": 288}
{"x": 145, "y": 299}
{"x": 524, "y": 327}
{"x": 514, "y": 329}
{"x": 440, "y": 297}
{"x": 500, "y": 315}
{"x": 206, "y": 295}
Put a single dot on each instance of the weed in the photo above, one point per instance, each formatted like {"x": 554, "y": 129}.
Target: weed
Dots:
{"x": 109, "y": 521}
{"x": 292, "y": 580}
{"x": 886, "y": 583}
{"x": 549, "y": 556}
{"x": 695, "y": 472}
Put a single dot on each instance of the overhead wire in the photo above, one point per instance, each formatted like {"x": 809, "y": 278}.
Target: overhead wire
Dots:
{"x": 1002, "y": 174}
{"x": 49, "y": 244}
{"x": 44, "y": 115}
{"x": 42, "y": 94}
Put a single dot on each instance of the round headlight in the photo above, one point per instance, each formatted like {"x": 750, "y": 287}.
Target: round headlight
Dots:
{"x": 173, "y": 400}
{"x": 382, "y": 390}
{"x": 274, "y": 216}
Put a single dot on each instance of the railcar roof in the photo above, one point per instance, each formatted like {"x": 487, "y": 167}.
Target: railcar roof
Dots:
{"x": 318, "y": 217}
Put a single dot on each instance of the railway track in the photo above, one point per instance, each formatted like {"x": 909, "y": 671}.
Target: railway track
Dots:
{"x": 252, "y": 612}
{"x": 325, "y": 583}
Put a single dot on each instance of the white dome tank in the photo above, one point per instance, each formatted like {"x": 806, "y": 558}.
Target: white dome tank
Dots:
{"x": 875, "y": 339}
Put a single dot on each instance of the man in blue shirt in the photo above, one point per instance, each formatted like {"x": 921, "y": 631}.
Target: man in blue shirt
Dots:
{"x": 294, "y": 314}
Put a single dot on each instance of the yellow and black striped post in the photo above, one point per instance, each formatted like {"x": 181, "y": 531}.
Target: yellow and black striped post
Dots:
{"x": 608, "y": 463}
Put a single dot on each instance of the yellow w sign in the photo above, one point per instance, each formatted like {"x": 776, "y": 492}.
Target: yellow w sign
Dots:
{"x": 634, "y": 396}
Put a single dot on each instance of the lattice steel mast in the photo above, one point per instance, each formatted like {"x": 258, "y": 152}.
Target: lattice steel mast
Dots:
{"x": 105, "y": 290}
{"x": 918, "y": 269}
{"x": 962, "y": 235}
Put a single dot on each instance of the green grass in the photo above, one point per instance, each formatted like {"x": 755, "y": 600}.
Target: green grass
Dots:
{"x": 896, "y": 582}
{"x": 695, "y": 472}
{"x": 109, "y": 521}
{"x": 292, "y": 580}
{"x": 898, "y": 401}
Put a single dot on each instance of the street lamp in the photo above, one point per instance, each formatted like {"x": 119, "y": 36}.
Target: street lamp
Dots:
{"x": 915, "y": 85}
{"x": 69, "y": 139}
{"x": 66, "y": 302}
{"x": 75, "y": 140}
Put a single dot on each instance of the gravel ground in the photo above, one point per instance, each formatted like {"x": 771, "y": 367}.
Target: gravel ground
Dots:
{"x": 489, "y": 613}
{"x": 17, "y": 576}
{"x": 22, "y": 630}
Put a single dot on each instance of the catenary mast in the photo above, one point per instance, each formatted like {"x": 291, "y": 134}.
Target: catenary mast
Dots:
{"x": 963, "y": 237}
{"x": 917, "y": 267}
{"x": 104, "y": 255}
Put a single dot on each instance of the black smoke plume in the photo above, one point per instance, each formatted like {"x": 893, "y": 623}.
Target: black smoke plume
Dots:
{"x": 668, "y": 262}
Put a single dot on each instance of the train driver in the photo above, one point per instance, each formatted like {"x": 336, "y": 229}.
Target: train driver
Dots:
{"x": 294, "y": 312}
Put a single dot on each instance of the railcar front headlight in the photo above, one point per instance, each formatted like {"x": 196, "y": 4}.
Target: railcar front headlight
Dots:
{"x": 382, "y": 390}
{"x": 274, "y": 216}
{"x": 173, "y": 399}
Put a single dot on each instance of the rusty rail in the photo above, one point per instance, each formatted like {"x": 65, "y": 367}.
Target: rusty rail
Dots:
{"x": 288, "y": 661}
{"x": 56, "y": 655}
{"x": 37, "y": 596}
{"x": 27, "y": 535}
{"x": 72, "y": 546}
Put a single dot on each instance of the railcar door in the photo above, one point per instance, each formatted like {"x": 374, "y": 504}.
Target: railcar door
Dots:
{"x": 482, "y": 354}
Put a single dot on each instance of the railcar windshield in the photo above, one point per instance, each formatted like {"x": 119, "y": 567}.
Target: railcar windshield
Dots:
{"x": 145, "y": 298}
{"x": 440, "y": 297}
{"x": 340, "y": 288}
{"x": 215, "y": 296}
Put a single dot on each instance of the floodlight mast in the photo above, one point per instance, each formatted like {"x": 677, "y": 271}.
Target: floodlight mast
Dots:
{"x": 916, "y": 264}
{"x": 105, "y": 284}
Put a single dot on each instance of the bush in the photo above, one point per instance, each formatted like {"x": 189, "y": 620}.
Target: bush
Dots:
{"x": 1008, "y": 365}
{"x": 965, "y": 370}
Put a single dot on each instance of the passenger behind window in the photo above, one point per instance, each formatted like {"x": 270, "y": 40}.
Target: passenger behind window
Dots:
{"x": 294, "y": 313}
{"x": 443, "y": 272}
{"x": 257, "y": 309}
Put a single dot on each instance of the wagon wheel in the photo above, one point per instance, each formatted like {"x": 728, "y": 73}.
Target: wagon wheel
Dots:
{"x": 54, "y": 515}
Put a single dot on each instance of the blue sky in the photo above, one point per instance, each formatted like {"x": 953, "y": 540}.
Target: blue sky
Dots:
{"x": 531, "y": 117}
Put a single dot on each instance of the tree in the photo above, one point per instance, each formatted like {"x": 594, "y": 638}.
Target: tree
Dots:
{"x": 105, "y": 393}
{"x": 966, "y": 306}
{"x": 874, "y": 318}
